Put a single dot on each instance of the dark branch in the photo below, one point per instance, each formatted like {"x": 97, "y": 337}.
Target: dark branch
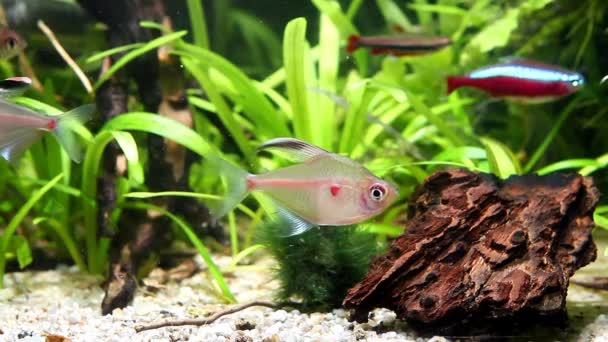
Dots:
{"x": 207, "y": 320}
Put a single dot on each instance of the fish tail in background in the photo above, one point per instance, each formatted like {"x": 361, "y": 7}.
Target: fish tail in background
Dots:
{"x": 455, "y": 82}
{"x": 65, "y": 133}
{"x": 237, "y": 189}
{"x": 353, "y": 43}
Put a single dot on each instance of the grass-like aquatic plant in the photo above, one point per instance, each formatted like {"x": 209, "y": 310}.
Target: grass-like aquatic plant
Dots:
{"x": 397, "y": 121}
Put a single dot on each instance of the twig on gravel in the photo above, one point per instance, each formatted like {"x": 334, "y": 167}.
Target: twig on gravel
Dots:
{"x": 207, "y": 320}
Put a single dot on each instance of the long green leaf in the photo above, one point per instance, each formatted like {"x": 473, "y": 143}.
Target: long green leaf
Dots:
{"x": 567, "y": 164}
{"x": 23, "y": 251}
{"x": 163, "y": 126}
{"x": 198, "y": 23}
{"x": 353, "y": 8}
{"x": 441, "y": 9}
{"x": 129, "y": 148}
{"x": 149, "y": 46}
{"x": 243, "y": 254}
{"x": 355, "y": 119}
{"x": 600, "y": 163}
{"x": 294, "y": 59}
{"x": 213, "y": 269}
{"x": 115, "y": 50}
{"x": 542, "y": 148}
{"x": 90, "y": 169}
{"x": 66, "y": 238}
{"x": 255, "y": 105}
{"x": 16, "y": 220}
{"x": 241, "y": 207}
{"x": 223, "y": 110}
{"x": 150, "y": 123}
{"x": 497, "y": 34}
{"x": 423, "y": 109}
{"x": 502, "y": 161}
{"x": 331, "y": 8}
{"x": 324, "y": 116}
{"x": 393, "y": 14}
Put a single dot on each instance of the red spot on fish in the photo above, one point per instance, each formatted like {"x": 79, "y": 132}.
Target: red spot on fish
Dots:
{"x": 353, "y": 43}
{"x": 251, "y": 183}
{"x": 52, "y": 124}
{"x": 334, "y": 189}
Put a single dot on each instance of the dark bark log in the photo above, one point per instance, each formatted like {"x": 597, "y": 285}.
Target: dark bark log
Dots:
{"x": 140, "y": 235}
{"x": 111, "y": 101}
{"x": 479, "y": 250}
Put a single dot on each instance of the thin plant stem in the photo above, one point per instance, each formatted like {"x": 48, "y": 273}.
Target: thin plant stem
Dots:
{"x": 540, "y": 151}
{"x": 66, "y": 56}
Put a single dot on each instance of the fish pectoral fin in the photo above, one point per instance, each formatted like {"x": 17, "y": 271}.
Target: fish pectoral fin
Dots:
{"x": 294, "y": 149}
{"x": 294, "y": 224}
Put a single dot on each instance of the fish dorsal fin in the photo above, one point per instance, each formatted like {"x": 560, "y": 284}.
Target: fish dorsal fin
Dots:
{"x": 294, "y": 149}
{"x": 14, "y": 86}
{"x": 294, "y": 224}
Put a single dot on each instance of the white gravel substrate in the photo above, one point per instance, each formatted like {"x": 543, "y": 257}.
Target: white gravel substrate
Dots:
{"x": 67, "y": 303}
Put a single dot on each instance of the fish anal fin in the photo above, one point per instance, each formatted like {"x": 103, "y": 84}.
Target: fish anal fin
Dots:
{"x": 294, "y": 224}
{"x": 293, "y": 149}
{"x": 12, "y": 151}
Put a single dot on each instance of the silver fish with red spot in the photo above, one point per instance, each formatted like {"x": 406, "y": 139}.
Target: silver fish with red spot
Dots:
{"x": 20, "y": 127}
{"x": 323, "y": 189}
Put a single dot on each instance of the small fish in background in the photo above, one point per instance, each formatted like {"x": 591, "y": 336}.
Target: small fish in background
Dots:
{"x": 521, "y": 80}
{"x": 323, "y": 189}
{"x": 14, "y": 86}
{"x": 402, "y": 45}
{"x": 20, "y": 127}
{"x": 10, "y": 43}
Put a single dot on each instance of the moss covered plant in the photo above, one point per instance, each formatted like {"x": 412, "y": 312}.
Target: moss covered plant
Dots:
{"x": 316, "y": 268}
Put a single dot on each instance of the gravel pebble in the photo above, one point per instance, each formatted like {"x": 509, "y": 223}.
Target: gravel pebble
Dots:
{"x": 66, "y": 302}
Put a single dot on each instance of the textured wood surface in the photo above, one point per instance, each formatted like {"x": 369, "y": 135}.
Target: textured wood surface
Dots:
{"x": 481, "y": 249}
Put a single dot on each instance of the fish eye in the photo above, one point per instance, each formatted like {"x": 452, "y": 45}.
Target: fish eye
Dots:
{"x": 576, "y": 83}
{"x": 377, "y": 192}
{"x": 12, "y": 43}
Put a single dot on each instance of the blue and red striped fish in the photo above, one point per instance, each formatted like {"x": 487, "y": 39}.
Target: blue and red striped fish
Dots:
{"x": 521, "y": 80}
{"x": 402, "y": 45}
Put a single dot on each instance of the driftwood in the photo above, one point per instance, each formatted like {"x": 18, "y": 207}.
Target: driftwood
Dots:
{"x": 140, "y": 235}
{"x": 480, "y": 250}
{"x": 206, "y": 320}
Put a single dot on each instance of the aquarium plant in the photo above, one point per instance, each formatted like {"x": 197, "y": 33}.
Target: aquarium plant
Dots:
{"x": 248, "y": 82}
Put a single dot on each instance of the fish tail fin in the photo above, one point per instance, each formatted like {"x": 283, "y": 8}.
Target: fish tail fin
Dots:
{"x": 65, "y": 133}
{"x": 236, "y": 183}
{"x": 455, "y": 82}
{"x": 353, "y": 43}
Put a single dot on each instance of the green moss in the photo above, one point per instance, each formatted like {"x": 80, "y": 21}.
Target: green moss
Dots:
{"x": 316, "y": 268}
